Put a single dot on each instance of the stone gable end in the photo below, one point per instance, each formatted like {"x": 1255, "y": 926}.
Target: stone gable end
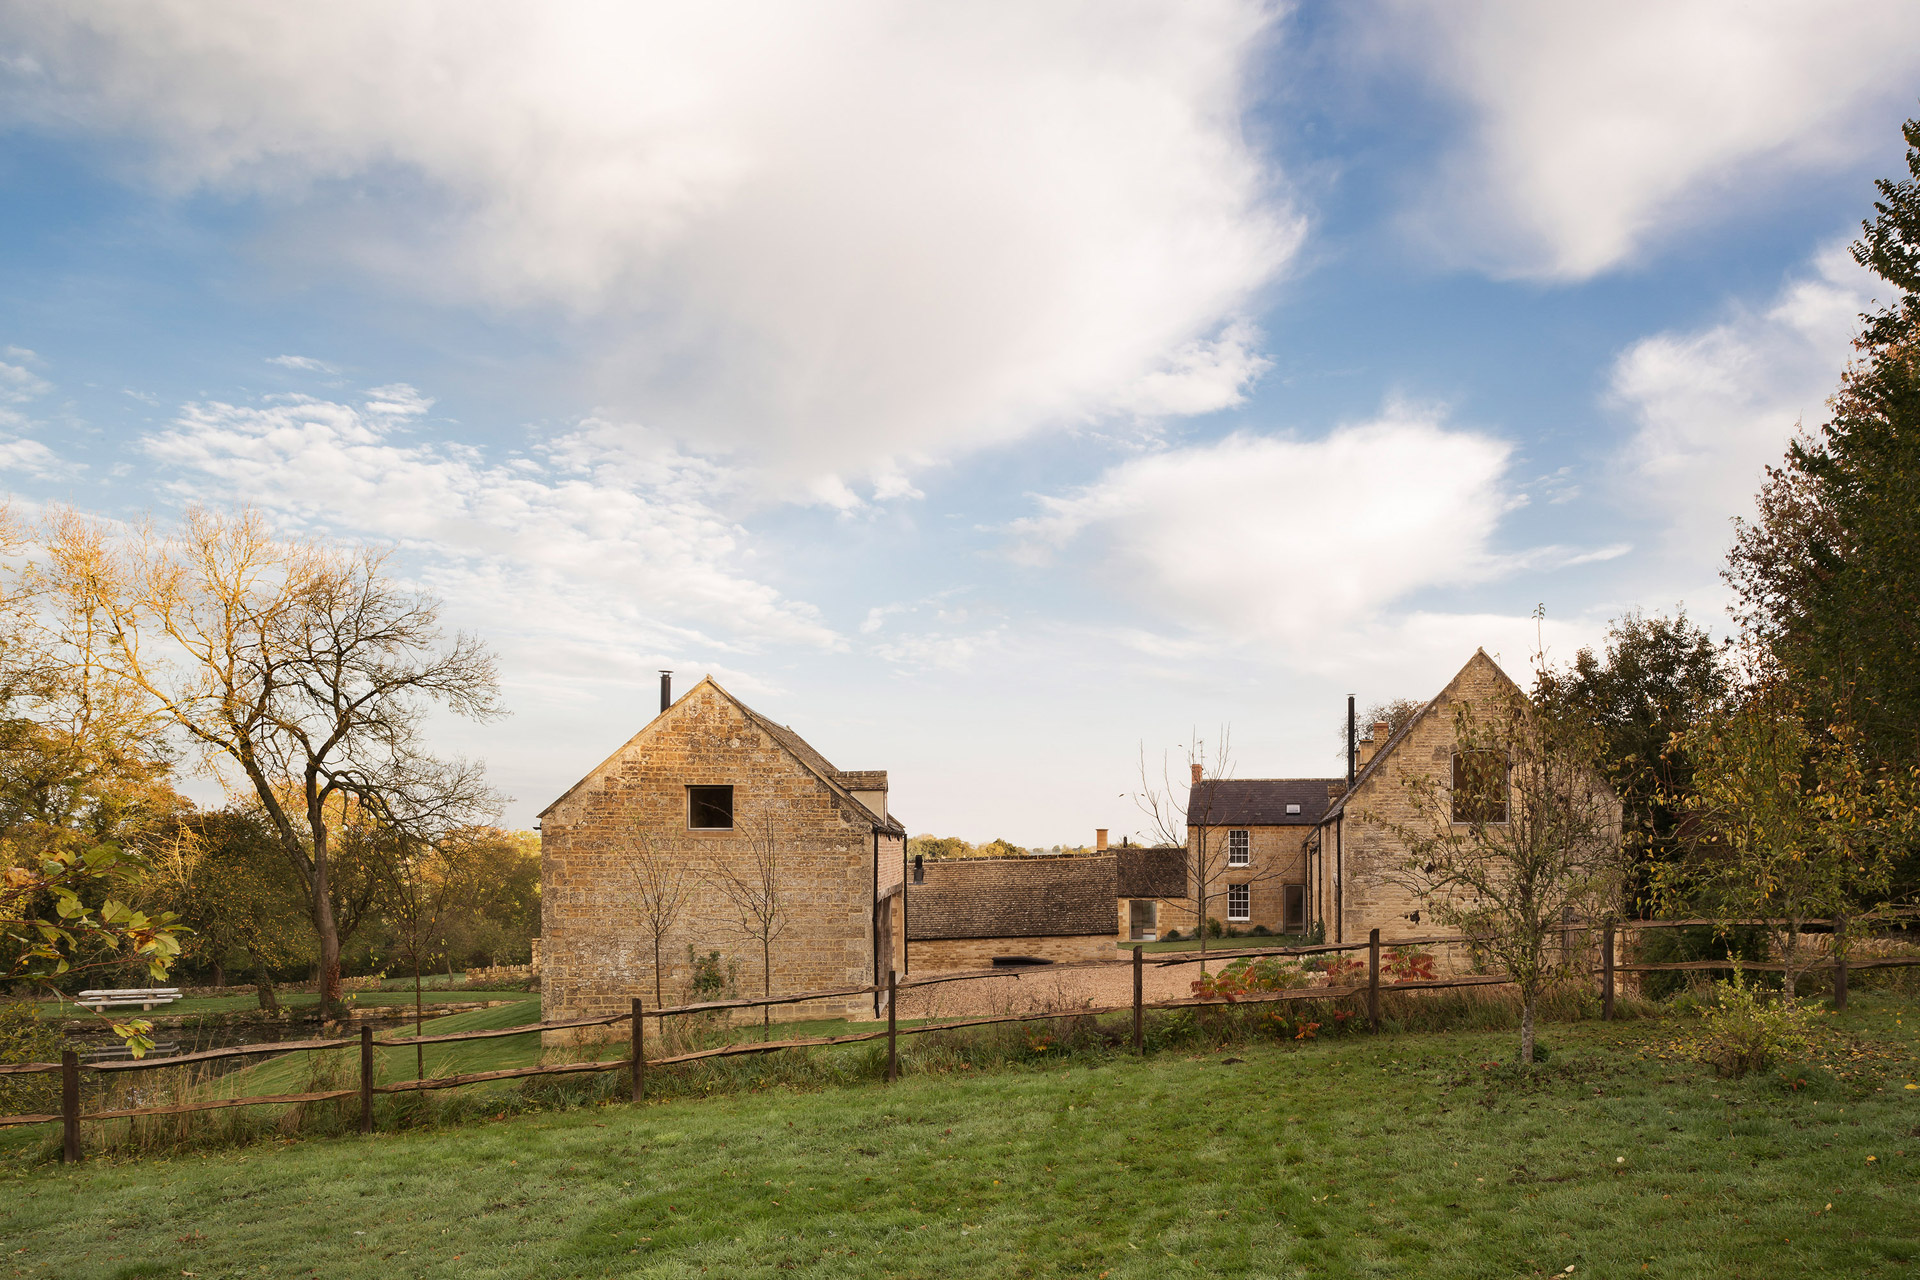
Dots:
{"x": 597, "y": 953}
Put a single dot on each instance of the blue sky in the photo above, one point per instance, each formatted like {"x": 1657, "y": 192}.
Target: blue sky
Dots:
{"x": 994, "y": 393}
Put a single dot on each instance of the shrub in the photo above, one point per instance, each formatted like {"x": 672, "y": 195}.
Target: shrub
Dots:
{"x": 1698, "y": 942}
{"x": 1213, "y": 927}
{"x": 1261, "y": 931}
{"x": 25, "y": 1038}
{"x": 1171, "y": 935}
{"x": 1265, "y": 973}
{"x": 1745, "y": 1031}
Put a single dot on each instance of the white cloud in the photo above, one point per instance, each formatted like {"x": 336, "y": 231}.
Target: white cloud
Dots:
{"x": 1292, "y": 540}
{"x": 19, "y": 384}
{"x": 845, "y": 235}
{"x": 1715, "y": 406}
{"x": 1597, "y": 128}
{"x": 595, "y": 552}
{"x": 34, "y": 458}
{"x": 306, "y": 364}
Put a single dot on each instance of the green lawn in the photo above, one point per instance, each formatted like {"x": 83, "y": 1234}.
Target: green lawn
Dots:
{"x": 246, "y": 1002}
{"x": 1397, "y": 1155}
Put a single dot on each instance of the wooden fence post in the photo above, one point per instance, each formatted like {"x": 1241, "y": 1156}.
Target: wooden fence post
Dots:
{"x": 366, "y": 1078}
{"x": 1606, "y": 971}
{"x": 1839, "y": 963}
{"x": 1139, "y": 1014}
{"x": 639, "y": 1053}
{"x": 70, "y": 1107}
{"x": 1373, "y": 980}
{"x": 893, "y": 1062}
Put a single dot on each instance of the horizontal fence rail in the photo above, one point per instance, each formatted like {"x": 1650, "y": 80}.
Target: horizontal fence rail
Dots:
{"x": 639, "y": 1063}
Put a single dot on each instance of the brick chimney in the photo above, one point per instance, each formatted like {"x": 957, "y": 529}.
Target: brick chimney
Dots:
{"x": 1196, "y": 775}
{"x": 1369, "y": 746}
{"x": 1100, "y": 839}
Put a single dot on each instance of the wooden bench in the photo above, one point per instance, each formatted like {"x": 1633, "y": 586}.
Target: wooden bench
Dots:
{"x": 145, "y": 997}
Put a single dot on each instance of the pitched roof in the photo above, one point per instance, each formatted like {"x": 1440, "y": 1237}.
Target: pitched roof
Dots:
{"x": 1375, "y": 761}
{"x": 789, "y": 741}
{"x": 1258, "y": 802}
{"x": 1013, "y": 898}
{"x": 1150, "y": 871}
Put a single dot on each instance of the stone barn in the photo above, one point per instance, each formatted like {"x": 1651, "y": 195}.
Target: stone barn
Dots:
{"x": 1353, "y": 853}
{"x": 723, "y": 801}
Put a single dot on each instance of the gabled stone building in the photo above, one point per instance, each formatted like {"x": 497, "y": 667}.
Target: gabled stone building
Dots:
{"x": 1355, "y": 857}
{"x": 702, "y": 782}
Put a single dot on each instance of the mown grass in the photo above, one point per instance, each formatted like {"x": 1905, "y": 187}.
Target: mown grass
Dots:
{"x": 1244, "y": 943}
{"x": 245, "y": 1002}
{"x": 1398, "y": 1154}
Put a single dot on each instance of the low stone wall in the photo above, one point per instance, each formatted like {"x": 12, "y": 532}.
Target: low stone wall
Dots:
{"x": 935, "y": 955}
{"x": 502, "y": 973}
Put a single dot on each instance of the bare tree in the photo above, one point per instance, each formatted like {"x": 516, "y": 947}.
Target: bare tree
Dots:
{"x": 1395, "y": 713}
{"x": 1191, "y": 822}
{"x": 1523, "y": 849}
{"x": 302, "y": 666}
{"x": 422, "y": 881}
{"x": 757, "y": 893}
{"x": 664, "y": 886}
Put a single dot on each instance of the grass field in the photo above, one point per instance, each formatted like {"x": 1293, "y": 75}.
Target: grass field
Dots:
{"x": 1419, "y": 1155}
{"x": 1218, "y": 944}
{"x": 246, "y": 1002}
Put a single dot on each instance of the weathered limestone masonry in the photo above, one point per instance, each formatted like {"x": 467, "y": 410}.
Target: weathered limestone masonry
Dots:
{"x": 837, "y": 860}
{"x": 1357, "y": 860}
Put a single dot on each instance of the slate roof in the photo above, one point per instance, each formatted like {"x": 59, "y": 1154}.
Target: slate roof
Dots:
{"x": 1150, "y": 871}
{"x": 1259, "y": 802}
{"x": 1013, "y": 898}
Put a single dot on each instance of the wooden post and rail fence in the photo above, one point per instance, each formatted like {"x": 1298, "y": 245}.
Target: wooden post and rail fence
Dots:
{"x": 69, "y": 1067}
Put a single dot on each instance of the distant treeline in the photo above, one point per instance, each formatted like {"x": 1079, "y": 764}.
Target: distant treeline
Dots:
{"x": 930, "y": 846}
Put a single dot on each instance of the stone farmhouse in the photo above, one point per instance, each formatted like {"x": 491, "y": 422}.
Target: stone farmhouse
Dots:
{"x": 710, "y": 784}
{"x": 1295, "y": 853}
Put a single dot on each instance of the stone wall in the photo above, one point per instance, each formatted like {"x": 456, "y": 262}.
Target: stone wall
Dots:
{"x": 1276, "y": 858}
{"x": 595, "y": 953}
{"x": 978, "y": 953}
{"x": 1376, "y": 893}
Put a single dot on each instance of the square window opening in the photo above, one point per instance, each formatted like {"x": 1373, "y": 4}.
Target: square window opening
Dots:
{"x": 1239, "y": 901}
{"x": 1480, "y": 786}
{"x": 710, "y": 808}
{"x": 1239, "y": 848}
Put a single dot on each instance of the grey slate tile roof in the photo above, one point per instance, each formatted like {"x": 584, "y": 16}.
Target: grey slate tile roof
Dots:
{"x": 1013, "y": 898}
{"x": 1150, "y": 871}
{"x": 1258, "y": 802}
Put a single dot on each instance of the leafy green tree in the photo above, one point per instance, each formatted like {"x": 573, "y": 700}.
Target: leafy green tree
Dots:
{"x": 1656, "y": 677}
{"x": 1828, "y": 573}
{"x": 1788, "y": 824}
{"x": 223, "y": 873}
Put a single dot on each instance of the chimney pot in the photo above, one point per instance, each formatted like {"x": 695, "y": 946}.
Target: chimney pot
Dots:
{"x": 1381, "y": 731}
{"x": 666, "y": 689}
{"x": 1196, "y": 775}
{"x": 1100, "y": 839}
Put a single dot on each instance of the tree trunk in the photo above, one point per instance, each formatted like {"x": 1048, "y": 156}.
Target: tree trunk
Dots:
{"x": 1527, "y": 1000}
{"x": 324, "y": 925}
{"x": 419, "y": 1023}
{"x": 263, "y": 984}
{"x": 219, "y": 974}
{"x": 1790, "y": 952}
{"x": 766, "y": 985}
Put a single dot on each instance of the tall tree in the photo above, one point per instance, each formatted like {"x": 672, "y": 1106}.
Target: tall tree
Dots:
{"x": 1655, "y": 679}
{"x": 1828, "y": 573}
{"x": 302, "y": 667}
{"x": 85, "y": 790}
{"x": 1523, "y": 850}
{"x": 1789, "y": 824}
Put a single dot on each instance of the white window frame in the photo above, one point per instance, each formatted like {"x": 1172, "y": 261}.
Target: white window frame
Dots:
{"x": 1245, "y": 892}
{"x": 1239, "y": 848}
